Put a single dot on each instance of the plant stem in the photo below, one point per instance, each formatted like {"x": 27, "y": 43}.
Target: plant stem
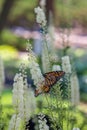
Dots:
{"x": 51, "y": 112}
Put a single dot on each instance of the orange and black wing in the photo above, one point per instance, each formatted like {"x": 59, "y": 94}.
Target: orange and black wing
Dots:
{"x": 52, "y": 77}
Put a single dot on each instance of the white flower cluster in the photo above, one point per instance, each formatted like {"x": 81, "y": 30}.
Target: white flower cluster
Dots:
{"x": 45, "y": 59}
{"x": 40, "y": 16}
{"x": 12, "y": 122}
{"x": 30, "y": 103}
{"x": 23, "y": 99}
{"x": 53, "y": 56}
{"x": 42, "y": 122}
{"x": 17, "y": 92}
{"x": 51, "y": 40}
{"x": 2, "y": 77}
{"x": 34, "y": 68}
{"x": 15, "y": 122}
{"x": 56, "y": 68}
{"x": 66, "y": 66}
{"x": 75, "y": 96}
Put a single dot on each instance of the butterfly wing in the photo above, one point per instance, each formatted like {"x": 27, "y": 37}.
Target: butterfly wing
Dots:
{"x": 42, "y": 89}
{"x": 37, "y": 92}
{"x": 46, "y": 89}
{"x": 50, "y": 79}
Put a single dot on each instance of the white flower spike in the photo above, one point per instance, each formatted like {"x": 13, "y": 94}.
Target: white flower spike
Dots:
{"x": 66, "y": 66}
{"x": 40, "y": 16}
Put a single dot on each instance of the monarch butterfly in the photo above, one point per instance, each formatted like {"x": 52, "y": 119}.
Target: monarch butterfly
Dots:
{"x": 50, "y": 79}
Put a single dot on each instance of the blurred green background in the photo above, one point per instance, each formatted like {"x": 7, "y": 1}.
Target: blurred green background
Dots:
{"x": 17, "y": 23}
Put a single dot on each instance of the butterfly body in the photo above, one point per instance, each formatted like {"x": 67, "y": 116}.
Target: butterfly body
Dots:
{"x": 50, "y": 79}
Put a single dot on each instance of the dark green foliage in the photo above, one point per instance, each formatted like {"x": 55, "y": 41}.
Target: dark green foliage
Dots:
{"x": 64, "y": 86}
{"x": 9, "y": 38}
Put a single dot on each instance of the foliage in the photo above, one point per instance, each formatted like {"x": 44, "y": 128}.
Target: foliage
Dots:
{"x": 71, "y": 13}
{"x": 8, "y": 52}
{"x": 84, "y": 97}
{"x": 80, "y": 61}
{"x": 57, "y": 103}
{"x": 75, "y": 10}
{"x": 23, "y": 10}
{"x": 7, "y": 105}
{"x": 7, "y": 109}
{"x": 9, "y": 38}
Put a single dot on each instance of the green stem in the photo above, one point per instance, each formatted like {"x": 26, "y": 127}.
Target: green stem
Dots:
{"x": 51, "y": 112}
{"x": 59, "y": 104}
